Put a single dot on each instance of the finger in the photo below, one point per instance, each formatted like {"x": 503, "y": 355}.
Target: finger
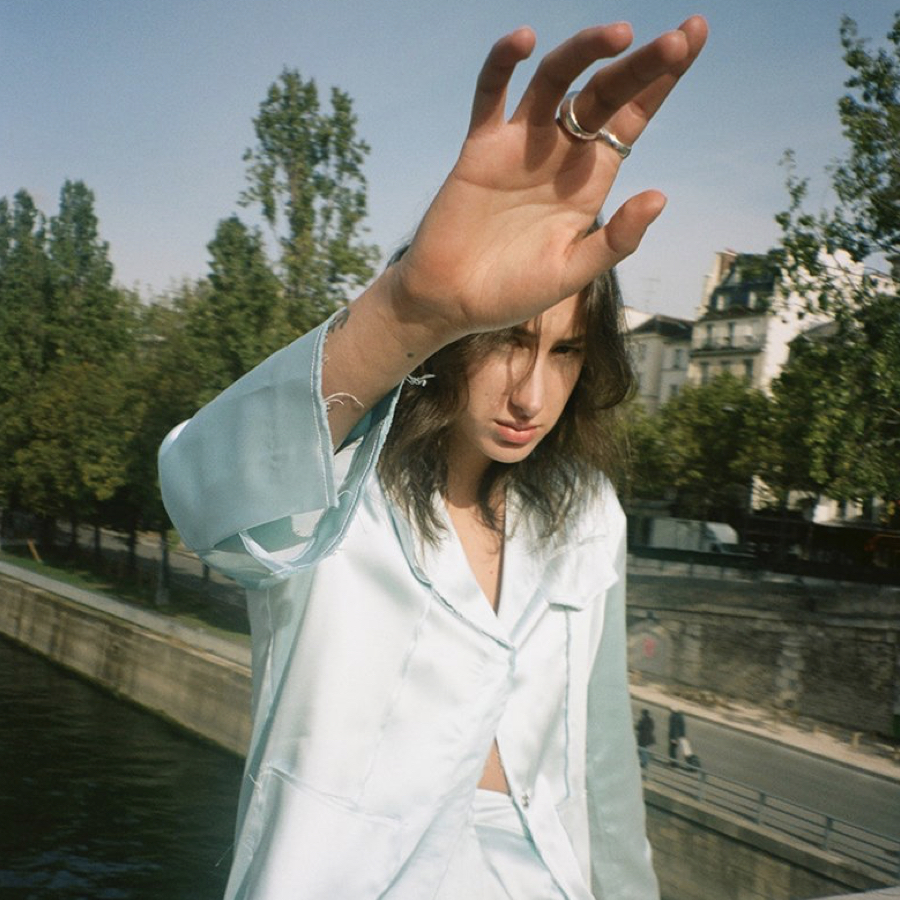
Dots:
{"x": 489, "y": 104}
{"x": 559, "y": 68}
{"x": 632, "y": 118}
{"x": 621, "y": 82}
{"x": 619, "y": 238}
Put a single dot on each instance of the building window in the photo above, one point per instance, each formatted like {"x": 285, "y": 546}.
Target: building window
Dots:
{"x": 709, "y": 336}
{"x": 726, "y": 368}
{"x": 704, "y": 373}
{"x": 673, "y": 391}
{"x": 748, "y": 369}
{"x": 678, "y": 358}
{"x": 731, "y": 334}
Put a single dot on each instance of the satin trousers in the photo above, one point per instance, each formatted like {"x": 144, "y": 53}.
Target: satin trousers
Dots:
{"x": 496, "y": 858}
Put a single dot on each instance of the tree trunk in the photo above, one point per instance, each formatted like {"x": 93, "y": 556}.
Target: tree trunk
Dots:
{"x": 162, "y": 579}
{"x": 131, "y": 558}
{"x": 73, "y": 535}
{"x": 47, "y": 535}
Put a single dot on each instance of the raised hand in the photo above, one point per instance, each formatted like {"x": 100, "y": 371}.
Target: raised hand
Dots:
{"x": 505, "y": 238}
{"x": 507, "y": 235}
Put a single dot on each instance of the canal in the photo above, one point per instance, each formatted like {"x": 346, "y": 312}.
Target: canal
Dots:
{"x": 101, "y": 801}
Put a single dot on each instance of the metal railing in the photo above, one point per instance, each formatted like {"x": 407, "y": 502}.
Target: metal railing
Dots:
{"x": 829, "y": 833}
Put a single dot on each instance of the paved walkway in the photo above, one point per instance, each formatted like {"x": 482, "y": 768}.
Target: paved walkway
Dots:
{"x": 849, "y": 748}
{"x": 194, "y": 636}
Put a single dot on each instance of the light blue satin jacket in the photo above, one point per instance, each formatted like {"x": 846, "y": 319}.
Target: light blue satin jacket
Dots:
{"x": 380, "y": 672}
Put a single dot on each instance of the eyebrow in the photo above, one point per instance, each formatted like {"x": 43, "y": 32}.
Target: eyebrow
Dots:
{"x": 522, "y": 331}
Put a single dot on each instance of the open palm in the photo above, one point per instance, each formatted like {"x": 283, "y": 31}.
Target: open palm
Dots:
{"x": 507, "y": 235}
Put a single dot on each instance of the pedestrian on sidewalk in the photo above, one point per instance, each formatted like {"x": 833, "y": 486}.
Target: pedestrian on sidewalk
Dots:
{"x": 677, "y": 733}
{"x": 646, "y": 737}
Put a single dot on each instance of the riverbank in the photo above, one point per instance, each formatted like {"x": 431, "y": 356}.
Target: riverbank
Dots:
{"x": 193, "y": 677}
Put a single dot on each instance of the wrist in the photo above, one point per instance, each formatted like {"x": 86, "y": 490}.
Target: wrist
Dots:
{"x": 421, "y": 328}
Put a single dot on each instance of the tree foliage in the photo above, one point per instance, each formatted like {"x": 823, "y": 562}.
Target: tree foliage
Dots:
{"x": 24, "y": 307}
{"x": 237, "y": 317}
{"x": 852, "y": 403}
{"x": 839, "y": 398}
{"x": 305, "y": 172}
{"x": 866, "y": 221}
{"x": 66, "y": 334}
{"x": 92, "y": 379}
{"x": 782, "y": 442}
{"x": 698, "y": 448}
{"x": 79, "y": 423}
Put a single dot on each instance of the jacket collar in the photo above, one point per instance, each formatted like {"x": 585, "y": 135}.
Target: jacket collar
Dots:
{"x": 566, "y": 572}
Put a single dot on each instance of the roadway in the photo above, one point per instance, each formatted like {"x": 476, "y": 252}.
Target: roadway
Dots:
{"x": 833, "y": 788}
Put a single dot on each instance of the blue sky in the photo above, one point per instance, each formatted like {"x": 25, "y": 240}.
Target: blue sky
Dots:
{"x": 150, "y": 102}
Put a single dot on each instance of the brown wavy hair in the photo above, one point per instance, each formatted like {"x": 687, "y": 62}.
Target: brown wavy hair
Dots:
{"x": 564, "y": 470}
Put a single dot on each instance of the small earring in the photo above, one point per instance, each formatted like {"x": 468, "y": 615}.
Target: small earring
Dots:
{"x": 418, "y": 380}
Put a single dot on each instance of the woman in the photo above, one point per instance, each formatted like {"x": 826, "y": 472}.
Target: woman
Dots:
{"x": 435, "y": 582}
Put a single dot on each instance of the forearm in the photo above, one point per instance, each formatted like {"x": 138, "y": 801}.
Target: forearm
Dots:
{"x": 371, "y": 347}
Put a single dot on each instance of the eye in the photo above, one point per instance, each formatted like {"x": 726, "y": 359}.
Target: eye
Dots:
{"x": 569, "y": 349}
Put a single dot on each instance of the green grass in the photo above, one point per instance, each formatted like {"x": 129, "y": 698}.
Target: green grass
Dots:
{"x": 82, "y": 570}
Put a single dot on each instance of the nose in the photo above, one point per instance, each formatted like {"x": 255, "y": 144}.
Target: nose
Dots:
{"x": 527, "y": 394}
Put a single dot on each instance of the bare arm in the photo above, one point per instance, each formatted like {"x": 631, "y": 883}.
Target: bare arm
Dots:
{"x": 505, "y": 237}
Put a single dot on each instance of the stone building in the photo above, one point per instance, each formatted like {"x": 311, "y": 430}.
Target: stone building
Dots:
{"x": 746, "y": 320}
{"x": 660, "y": 349}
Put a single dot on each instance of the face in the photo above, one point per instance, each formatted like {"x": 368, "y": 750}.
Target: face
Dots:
{"x": 517, "y": 392}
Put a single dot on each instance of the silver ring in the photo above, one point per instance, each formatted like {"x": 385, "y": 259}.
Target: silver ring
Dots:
{"x": 571, "y": 125}
{"x": 566, "y": 118}
{"x": 611, "y": 140}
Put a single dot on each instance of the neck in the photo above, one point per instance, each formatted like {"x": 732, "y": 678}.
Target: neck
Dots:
{"x": 465, "y": 471}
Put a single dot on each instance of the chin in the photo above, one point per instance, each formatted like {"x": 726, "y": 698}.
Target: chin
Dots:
{"x": 508, "y": 455}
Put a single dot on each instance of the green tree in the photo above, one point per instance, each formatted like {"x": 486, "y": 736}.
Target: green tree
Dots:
{"x": 24, "y": 304}
{"x": 66, "y": 334}
{"x": 867, "y": 181}
{"x": 840, "y": 398}
{"x": 88, "y": 318}
{"x": 24, "y": 293}
{"x": 237, "y": 317}
{"x": 781, "y": 452}
{"x": 699, "y": 447}
{"x": 306, "y": 174}
{"x": 652, "y": 463}
{"x": 853, "y": 429}
{"x": 163, "y": 390}
{"x": 79, "y": 423}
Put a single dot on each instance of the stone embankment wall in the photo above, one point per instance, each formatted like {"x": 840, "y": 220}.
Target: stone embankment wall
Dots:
{"x": 701, "y": 854}
{"x": 823, "y": 652}
{"x": 180, "y": 673}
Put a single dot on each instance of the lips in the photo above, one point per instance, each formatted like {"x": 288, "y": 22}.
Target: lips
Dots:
{"x": 513, "y": 433}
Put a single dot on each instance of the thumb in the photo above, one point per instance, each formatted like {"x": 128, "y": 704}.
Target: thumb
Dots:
{"x": 619, "y": 238}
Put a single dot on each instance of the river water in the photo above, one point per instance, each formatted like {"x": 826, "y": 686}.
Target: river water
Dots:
{"x": 101, "y": 801}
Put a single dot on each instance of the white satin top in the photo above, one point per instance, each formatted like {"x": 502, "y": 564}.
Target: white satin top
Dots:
{"x": 381, "y": 674}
